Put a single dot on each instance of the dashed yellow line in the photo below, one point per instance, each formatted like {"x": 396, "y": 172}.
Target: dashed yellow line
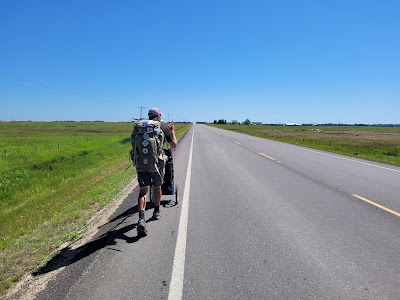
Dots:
{"x": 377, "y": 205}
{"x": 266, "y": 156}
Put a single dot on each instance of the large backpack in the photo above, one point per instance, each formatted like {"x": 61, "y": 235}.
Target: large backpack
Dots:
{"x": 147, "y": 141}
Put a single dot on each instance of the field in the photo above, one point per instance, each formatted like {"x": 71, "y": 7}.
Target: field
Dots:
{"x": 53, "y": 178}
{"x": 380, "y": 144}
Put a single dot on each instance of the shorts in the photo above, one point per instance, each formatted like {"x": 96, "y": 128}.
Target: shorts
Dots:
{"x": 150, "y": 178}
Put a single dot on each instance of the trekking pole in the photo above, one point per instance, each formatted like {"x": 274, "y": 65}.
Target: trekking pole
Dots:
{"x": 128, "y": 167}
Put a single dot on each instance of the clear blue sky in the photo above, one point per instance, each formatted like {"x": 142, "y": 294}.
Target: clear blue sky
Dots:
{"x": 269, "y": 61}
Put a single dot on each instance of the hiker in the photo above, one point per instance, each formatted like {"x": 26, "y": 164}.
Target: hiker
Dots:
{"x": 153, "y": 176}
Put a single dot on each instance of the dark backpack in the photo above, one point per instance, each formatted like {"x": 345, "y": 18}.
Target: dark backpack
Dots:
{"x": 167, "y": 188}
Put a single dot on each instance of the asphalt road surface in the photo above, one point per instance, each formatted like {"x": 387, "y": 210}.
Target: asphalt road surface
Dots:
{"x": 257, "y": 219}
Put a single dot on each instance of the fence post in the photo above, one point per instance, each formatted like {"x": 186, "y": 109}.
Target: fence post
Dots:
{"x": 58, "y": 146}
{"x": 5, "y": 153}
{"x": 35, "y": 148}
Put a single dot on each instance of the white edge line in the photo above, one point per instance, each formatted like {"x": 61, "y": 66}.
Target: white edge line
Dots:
{"x": 344, "y": 158}
{"x": 178, "y": 268}
{"x": 319, "y": 152}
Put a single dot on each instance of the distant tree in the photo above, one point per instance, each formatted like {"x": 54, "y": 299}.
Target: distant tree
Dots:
{"x": 247, "y": 122}
{"x": 215, "y": 121}
{"x": 235, "y": 122}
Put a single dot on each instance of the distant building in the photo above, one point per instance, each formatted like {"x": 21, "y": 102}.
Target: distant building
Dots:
{"x": 256, "y": 123}
{"x": 292, "y": 124}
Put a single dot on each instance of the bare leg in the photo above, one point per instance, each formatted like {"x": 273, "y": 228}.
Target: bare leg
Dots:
{"x": 141, "y": 227}
{"x": 157, "y": 195}
{"x": 142, "y": 198}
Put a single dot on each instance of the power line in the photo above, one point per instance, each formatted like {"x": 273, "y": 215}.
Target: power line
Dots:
{"x": 54, "y": 89}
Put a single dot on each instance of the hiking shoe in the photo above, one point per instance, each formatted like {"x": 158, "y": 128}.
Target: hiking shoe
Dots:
{"x": 156, "y": 215}
{"x": 141, "y": 228}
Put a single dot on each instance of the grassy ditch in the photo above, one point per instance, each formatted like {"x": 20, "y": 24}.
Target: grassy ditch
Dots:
{"x": 380, "y": 144}
{"x": 53, "y": 178}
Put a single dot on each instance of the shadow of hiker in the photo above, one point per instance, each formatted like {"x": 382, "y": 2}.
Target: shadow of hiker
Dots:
{"x": 149, "y": 205}
{"x": 68, "y": 256}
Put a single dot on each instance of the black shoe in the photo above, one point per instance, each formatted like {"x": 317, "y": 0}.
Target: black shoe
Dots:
{"x": 156, "y": 215}
{"x": 141, "y": 228}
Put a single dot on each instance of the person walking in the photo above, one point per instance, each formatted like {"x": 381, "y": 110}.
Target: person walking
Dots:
{"x": 153, "y": 178}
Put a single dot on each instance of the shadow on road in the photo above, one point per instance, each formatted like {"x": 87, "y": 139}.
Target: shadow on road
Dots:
{"x": 68, "y": 256}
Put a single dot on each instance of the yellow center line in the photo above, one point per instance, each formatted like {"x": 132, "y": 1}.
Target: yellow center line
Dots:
{"x": 266, "y": 156}
{"x": 377, "y": 205}
{"x": 238, "y": 143}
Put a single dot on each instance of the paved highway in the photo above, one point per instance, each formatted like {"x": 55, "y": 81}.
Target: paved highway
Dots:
{"x": 257, "y": 219}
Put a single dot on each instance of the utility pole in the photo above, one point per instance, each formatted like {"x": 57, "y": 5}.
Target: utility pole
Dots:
{"x": 141, "y": 108}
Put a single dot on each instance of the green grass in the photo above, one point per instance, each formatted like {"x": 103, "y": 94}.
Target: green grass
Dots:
{"x": 380, "y": 144}
{"x": 53, "y": 178}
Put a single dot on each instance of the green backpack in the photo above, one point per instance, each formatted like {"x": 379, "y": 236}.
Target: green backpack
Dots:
{"x": 147, "y": 141}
